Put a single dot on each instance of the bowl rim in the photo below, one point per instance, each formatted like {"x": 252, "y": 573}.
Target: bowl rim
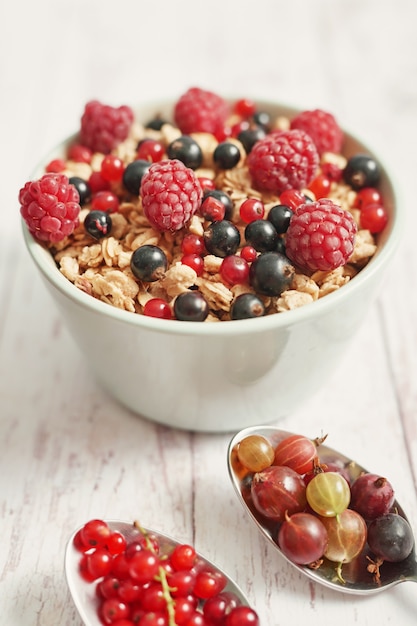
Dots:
{"x": 309, "y": 312}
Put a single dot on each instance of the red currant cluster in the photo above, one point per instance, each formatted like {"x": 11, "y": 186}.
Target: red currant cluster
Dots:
{"x": 141, "y": 583}
{"x": 317, "y": 511}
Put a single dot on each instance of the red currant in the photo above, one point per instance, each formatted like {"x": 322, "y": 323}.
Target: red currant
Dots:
{"x": 207, "y": 184}
{"x": 156, "y": 307}
{"x": 108, "y": 587}
{"x": 184, "y": 609}
{"x": 129, "y": 591}
{"x": 99, "y": 563}
{"x": 251, "y": 209}
{"x": 181, "y": 582}
{"x": 116, "y": 543}
{"x": 212, "y": 209}
{"x": 209, "y": 583}
{"x": 153, "y": 598}
{"x": 183, "y": 557}
{"x": 320, "y": 186}
{"x": 97, "y": 183}
{"x": 373, "y": 217}
{"x": 248, "y": 253}
{"x": 194, "y": 261}
{"x": 95, "y": 533}
{"x": 193, "y": 244}
{"x": 56, "y": 166}
{"x": 113, "y": 610}
{"x": 292, "y": 198}
{"x": 143, "y": 566}
{"x": 150, "y": 150}
{"x": 245, "y": 107}
{"x": 105, "y": 201}
{"x": 367, "y": 195}
{"x": 234, "y": 270}
{"x": 79, "y": 153}
{"x": 242, "y": 616}
{"x": 237, "y": 128}
{"x": 112, "y": 168}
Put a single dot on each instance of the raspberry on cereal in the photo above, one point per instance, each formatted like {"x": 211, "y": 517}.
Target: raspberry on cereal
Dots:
{"x": 322, "y": 128}
{"x": 50, "y": 207}
{"x": 103, "y": 127}
{"x": 198, "y": 110}
{"x": 283, "y": 160}
{"x": 171, "y": 194}
{"x": 320, "y": 236}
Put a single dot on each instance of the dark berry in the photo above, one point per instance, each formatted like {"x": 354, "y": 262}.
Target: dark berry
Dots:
{"x": 132, "y": 176}
{"x": 245, "y": 306}
{"x": 83, "y": 188}
{"x": 156, "y": 123}
{"x": 226, "y": 155}
{"x": 224, "y": 199}
{"x": 271, "y": 274}
{"x": 390, "y": 537}
{"x": 361, "y": 171}
{"x": 280, "y": 247}
{"x": 148, "y": 263}
{"x": 262, "y": 119}
{"x": 186, "y": 150}
{"x": 191, "y": 306}
{"x": 98, "y": 224}
{"x": 250, "y": 136}
{"x": 280, "y": 216}
{"x": 222, "y": 238}
{"x": 261, "y": 235}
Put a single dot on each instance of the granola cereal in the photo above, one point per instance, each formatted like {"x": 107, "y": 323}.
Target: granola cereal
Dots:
{"x": 102, "y": 268}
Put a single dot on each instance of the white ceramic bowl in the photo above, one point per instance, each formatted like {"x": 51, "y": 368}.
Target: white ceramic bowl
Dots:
{"x": 224, "y": 376}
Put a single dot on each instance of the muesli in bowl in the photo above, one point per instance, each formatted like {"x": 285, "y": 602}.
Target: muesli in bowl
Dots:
{"x": 209, "y": 210}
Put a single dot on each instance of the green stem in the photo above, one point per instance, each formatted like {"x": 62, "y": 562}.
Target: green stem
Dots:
{"x": 162, "y": 577}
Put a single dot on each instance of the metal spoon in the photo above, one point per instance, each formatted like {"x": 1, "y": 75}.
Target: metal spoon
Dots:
{"x": 83, "y": 594}
{"x": 358, "y": 580}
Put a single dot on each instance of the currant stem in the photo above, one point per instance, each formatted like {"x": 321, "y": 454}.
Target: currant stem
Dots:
{"x": 162, "y": 577}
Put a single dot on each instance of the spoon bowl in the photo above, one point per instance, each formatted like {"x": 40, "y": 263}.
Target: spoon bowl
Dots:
{"x": 357, "y": 579}
{"x": 83, "y": 593}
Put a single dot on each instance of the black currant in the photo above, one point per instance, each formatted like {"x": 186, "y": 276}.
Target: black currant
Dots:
{"x": 224, "y": 198}
{"x": 226, "y": 155}
{"x": 280, "y": 216}
{"x": 148, "y": 263}
{"x": 250, "y": 136}
{"x": 361, "y": 171}
{"x": 191, "y": 306}
{"x": 132, "y": 176}
{"x": 83, "y": 188}
{"x": 186, "y": 150}
{"x": 245, "y": 306}
{"x": 221, "y": 238}
{"x": 271, "y": 274}
{"x": 261, "y": 235}
{"x": 98, "y": 224}
{"x": 262, "y": 119}
{"x": 280, "y": 246}
{"x": 156, "y": 123}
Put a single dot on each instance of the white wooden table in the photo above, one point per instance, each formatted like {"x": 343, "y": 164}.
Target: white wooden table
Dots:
{"x": 67, "y": 451}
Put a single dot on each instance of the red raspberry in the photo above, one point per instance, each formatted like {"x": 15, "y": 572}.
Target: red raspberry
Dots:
{"x": 171, "y": 194}
{"x": 103, "y": 127}
{"x": 322, "y": 128}
{"x": 200, "y": 111}
{"x": 320, "y": 236}
{"x": 50, "y": 207}
{"x": 283, "y": 160}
